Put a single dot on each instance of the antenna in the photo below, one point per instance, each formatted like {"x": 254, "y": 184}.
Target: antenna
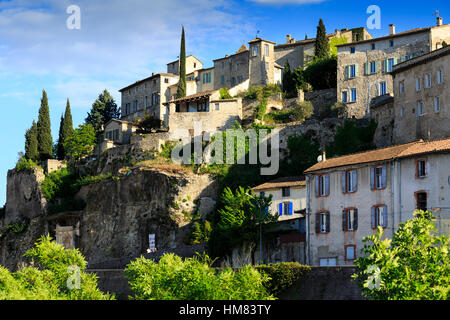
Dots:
{"x": 436, "y": 13}
{"x": 257, "y": 32}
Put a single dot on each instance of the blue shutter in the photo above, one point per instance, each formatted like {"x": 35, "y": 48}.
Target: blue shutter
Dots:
{"x": 385, "y": 217}
{"x": 355, "y": 220}
{"x": 383, "y": 176}
{"x": 354, "y": 174}
{"x": 280, "y": 209}
{"x": 327, "y": 217}
{"x": 316, "y": 181}
{"x": 290, "y": 209}
{"x": 372, "y": 178}
{"x": 327, "y": 184}
{"x": 373, "y": 218}
{"x": 343, "y": 182}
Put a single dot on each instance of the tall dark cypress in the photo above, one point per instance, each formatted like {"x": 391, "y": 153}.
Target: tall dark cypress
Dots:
{"x": 181, "y": 92}
{"x": 65, "y": 131}
{"x": 322, "y": 46}
{"x": 31, "y": 143}
{"x": 44, "y": 133}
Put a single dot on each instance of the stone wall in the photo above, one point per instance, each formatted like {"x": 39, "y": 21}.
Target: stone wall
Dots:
{"x": 383, "y": 112}
{"x": 51, "y": 165}
{"x": 150, "y": 141}
{"x": 322, "y": 100}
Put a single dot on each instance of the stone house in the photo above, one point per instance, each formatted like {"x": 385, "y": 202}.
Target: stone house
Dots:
{"x": 349, "y": 197}
{"x": 300, "y": 53}
{"x": 115, "y": 132}
{"x": 422, "y": 97}
{"x": 364, "y": 67}
{"x": 192, "y": 64}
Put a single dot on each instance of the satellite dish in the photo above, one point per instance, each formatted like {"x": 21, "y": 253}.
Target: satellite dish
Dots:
{"x": 319, "y": 158}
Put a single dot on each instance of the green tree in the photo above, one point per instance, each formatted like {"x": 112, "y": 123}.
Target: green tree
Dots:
{"x": 65, "y": 131}
{"x": 303, "y": 153}
{"x": 31, "y": 143}
{"x": 44, "y": 133}
{"x": 81, "y": 143}
{"x": 321, "y": 46}
{"x": 181, "y": 91}
{"x": 103, "y": 110}
{"x": 289, "y": 87}
{"x": 321, "y": 73}
{"x": 413, "y": 265}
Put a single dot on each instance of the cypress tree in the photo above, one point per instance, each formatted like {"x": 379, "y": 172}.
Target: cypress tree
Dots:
{"x": 31, "y": 143}
{"x": 322, "y": 46}
{"x": 44, "y": 133}
{"x": 103, "y": 110}
{"x": 181, "y": 92}
{"x": 65, "y": 131}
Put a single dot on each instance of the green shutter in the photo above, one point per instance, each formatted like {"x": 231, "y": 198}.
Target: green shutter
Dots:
{"x": 347, "y": 72}
{"x": 376, "y": 66}
{"x": 366, "y": 68}
{"x": 356, "y": 70}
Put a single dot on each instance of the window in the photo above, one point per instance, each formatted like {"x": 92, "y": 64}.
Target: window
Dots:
{"x": 373, "y": 67}
{"x": 155, "y": 98}
{"x": 379, "y": 216}
{"x": 427, "y": 81}
{"x": 382, "y": 88}
{"x": 222, "y": 79}
{"x": 322, "y": 185}
{"x": 285, "y": 208}
{"x": 352, "y": 71}
{"x": 350, "y": 252}
{"x": 206, "y": 77}
{"x": 373, "y": 46}
{"x": 421, "y": 171}
{"x": 440, "y": 77}
{"x": 327, "y": 262}
{"x": 266, "y": 49}
{"x": 418, "y": 84}
{"x": 357, "y": 37}
{"x": 349, "y": 181}
{"x": 146, "y": 101}
{"x": 378, "y": 177}
{"x": 323, "y": 222}
{"x": 217, "y": 106}
{"x": 201, "y": 106}
{"x": 195, "y": 65}
{"x": 344, "y": 96}
{"x": 353, "y": 95}
{"x": 352, "y": 50}
{"x": 286, "y": 192}
{"x": 391, "y": 43}
{"x": 166, "y": 80}
{"x": 419, "y": 109}
{"x": 402, "y": 112}
{"x": 350, "y": 219}
{"x": 437, "y": 104}
{"x": 401, "y": 87}
{"x": 254, "y": 50}
{"x": 240, "y": 79}
{"x": 135, "y": 105}
{"x": 390, "y": 65}
{"x": 421, "y": 200}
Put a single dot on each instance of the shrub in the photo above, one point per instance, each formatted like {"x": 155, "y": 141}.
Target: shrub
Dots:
{"x": 321, "y": 73}
{"x": 200, "y": 232}
{"x": 173, "y": 278}
{"x": 282, "y": 275}
{"x": 302, "y": 111}
{"x": 261, "y": 109}
{"x": 224, "y": 94}
{"x": 15, "y": 227}
{"x": 148, "y": 124}
{"x": 25, "y": 165}
{"x": 340, "y": 108}
{"x": 50, "y": 279}
{"x": 59, "y": 184}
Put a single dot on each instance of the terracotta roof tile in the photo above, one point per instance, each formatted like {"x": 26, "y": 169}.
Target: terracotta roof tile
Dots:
{"x": 390, "y": 153}
{"x": 193, "y": 96}
{"x": 296, "y": 181}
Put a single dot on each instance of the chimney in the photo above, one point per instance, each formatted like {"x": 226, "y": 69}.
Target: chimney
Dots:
{"x": 288, "y": 38}
{"x": 153, "y": 73}
{"x": 324, "y": 156}
{"x": 439, "y": 21}
{"x": 391, "y": 29}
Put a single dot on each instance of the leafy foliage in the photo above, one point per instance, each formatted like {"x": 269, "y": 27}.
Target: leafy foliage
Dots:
{"x": 201, "y": 232}
{"x": 282, "y": 275}
{"x": 31, "y": 143}
{"x": 25, "y": 165}
{"x": 15, "y": 227}
{"x": 65, "y": 131}
{"x": 193, "y": 279}
{"x": 335, "y": 42}
{"x": 224, "y": 94}
{"x": 50, "y": 278}
{"x": 414, "y": 265}
{"x": 289, "y": 85}
{"x": 81, "y": 143}
{"x": 302, "y": 111}
{"x": 148, "y": 124}
{"x": 103, "y": 110}
{"x": 321, "y": 73}
{"x": 44, "y": 134}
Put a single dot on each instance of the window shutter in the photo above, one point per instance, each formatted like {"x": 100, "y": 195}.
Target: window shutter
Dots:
{"x": 316, "y": 181}
{"x": 385, "y": 217}
{"x": 317, "y": 222}
{"x": 290, "y": 209}
{"x": 372, "y": 178}
{"x": 344, "y": 220}
{"x": 280, "y": 209}
{"x": 376, "y": 66}
{"x": 366, "y": 68}
{"x": 327, "y": 215}
{"x": 327, "y": 184}
{"x": 347, "y": 72}
{"x": 343, "y": 181}
{"x": 373, "y": 218}
{"x": 355, "y": 220}
{"x": 384, "y": 65}
{"x": 356, "y": 70}
{"x": 383, "y": 176}
{"x": 395, "y": 61}
{"x": 354, "y": 180}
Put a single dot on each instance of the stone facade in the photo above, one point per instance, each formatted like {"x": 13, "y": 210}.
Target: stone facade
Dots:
{"x": 192, "y": 64}
{"x": 382, "y": 111}
{"x": 51, "y": 165}
{"x": 364, "y": 68}
{"x": 423, "y": 113}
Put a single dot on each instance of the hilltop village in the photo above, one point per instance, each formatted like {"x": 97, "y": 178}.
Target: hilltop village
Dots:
{"x": 364, "y": 140}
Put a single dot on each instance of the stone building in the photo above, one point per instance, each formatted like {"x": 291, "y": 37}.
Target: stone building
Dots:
{"x": 148, "y": 95}
{"x": 364, "y": 67}
{"x": 192, "y": 64}
{"x": 115, "y": 132}
{"x": 348, "y": 197}
{"x": 382, "y": 111}
{"x": 422, "y": 97}
{"x": 299, "y": 53}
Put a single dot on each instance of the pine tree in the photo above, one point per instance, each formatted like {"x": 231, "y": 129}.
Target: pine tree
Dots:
{"x": 31, "y": 143}
{"x": 103, "y": 110}
{"x": 44, "y": 133}
{"x": 181, "y": 92}
{"x": 322, "y": 46}
{"x": 65, "y": 131}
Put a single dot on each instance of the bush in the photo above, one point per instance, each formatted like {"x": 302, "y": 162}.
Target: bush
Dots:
{"x": 148, "y": 124}
{"x": 59, "y": 184}
{"x": 173, "y": 278}
{"x": 224, "y": 94}
{"x": 200, "y": 232}
{"x": 321, "y": 73}
{"x": 25, "y": 165}
{"x": 52, "y": 277}
{"x": 340, "y": 109}
{"x": 302, "y": 111}
{"x": 282, "y": 275}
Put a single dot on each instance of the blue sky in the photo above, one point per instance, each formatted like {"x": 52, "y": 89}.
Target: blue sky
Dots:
{"x": 122, "y": 41}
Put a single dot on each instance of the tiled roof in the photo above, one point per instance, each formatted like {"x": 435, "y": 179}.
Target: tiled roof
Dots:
{"x": 243, "y": 48}
{"x": 149, "y": 78}
{"x": 194, "y": 96}
{"x": 259, "y": 39}
{"x": 390, "y": 153}
{"x": 421, "y": 59}
{"x": 297, "y": 181}
{"x": 300, "y": 42}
